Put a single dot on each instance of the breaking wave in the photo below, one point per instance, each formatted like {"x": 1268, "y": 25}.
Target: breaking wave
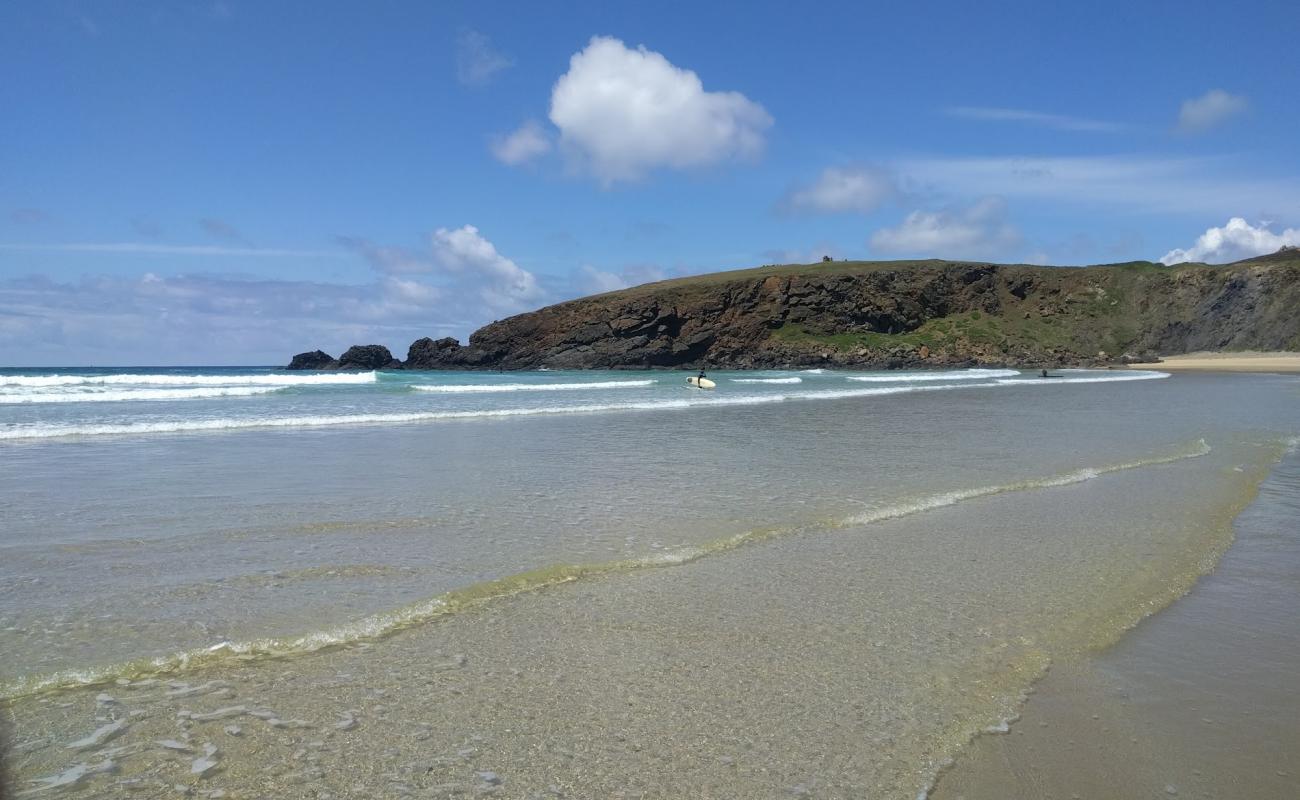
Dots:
{"x": 531, "y": 387}
{"x": 268, "y": 379}
{"x": 953, "y": 375}
{"x": 123, "y": 395}
{"x": 767, "y": 380}
{"x": 49, "y": 431}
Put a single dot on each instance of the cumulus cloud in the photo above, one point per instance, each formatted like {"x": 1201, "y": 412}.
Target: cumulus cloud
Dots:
{"x": 476, "y": 61}
{"x": 524, "y": 144}
{"x": 1210, "y": 109}
{"x": 1059, "y": 122}
{"x": 977, "y": 230}
{"x": 505, "y": 287}
{"x": 623, "y": 112}
{"x": 861, "y": 189}
{"x": 1232, "y": 242}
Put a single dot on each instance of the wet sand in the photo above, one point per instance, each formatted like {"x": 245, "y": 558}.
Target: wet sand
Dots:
{"x": 1198, "y": 701}
{"x": 1228, "y": 362}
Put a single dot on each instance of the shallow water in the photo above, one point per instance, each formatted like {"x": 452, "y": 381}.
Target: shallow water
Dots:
{"x": 1200, "y": 700}
{"x": 825, "y": 594}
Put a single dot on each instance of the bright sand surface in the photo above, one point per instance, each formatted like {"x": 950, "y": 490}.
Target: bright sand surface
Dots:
{"x": 1281, "y": 361}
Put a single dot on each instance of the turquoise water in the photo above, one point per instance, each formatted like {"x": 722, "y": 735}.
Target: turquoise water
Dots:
{"x": 40, "y": 404}
{"x": 519, "y": 556}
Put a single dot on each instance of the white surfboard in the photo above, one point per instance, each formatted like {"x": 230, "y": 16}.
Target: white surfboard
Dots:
{"x": 701, "y": 383}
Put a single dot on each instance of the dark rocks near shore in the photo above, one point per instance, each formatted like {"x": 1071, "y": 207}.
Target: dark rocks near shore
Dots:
{"x": 316, "y": 359}
{"x": 368, "y": 357}
{"x": 357, "y": 357}
{"x": 886, "y": 315}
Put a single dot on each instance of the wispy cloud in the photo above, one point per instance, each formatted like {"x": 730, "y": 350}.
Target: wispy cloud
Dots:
{"x": 1061, "y": 122}
{"x": 29, "y": 216}
{"x": 154, "y": 249}
{"x": 220, "y": 229}
{"x": 854, "y": 189}
{"x": 476, "y": 60}
{"x": 1217, "y": 187}
{"x": 524, "y": 144}
{"x": 1210, "y": 110}
{"x": 980, "y": 229}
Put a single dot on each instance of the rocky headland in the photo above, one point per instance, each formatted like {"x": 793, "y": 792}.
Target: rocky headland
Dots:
{"x": 886, "y": 315}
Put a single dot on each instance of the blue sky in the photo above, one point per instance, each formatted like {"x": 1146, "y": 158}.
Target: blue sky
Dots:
{"x": 233, "y": 182}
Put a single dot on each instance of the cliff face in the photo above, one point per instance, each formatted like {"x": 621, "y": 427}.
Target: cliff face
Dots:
{"x": 892, "y": 314}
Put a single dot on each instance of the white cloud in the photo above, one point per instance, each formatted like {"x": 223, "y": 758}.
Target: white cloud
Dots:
{"x": 978, "y": 230}
{"x": 505, "y": 285}
{"x": 476, "y": 62}
{"x": 1058, "y": 121}
{"x": 845, "y": 189}
{"x": 524, "y": 144}
{"x": 1209, "y": 110}
{"x": 622, "y": 113}
{"x": 1232, "y": 242}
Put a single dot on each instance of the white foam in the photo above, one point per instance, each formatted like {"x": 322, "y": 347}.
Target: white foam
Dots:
{"x": 767, "y": 380}
{"x": 124, "y": 395}
{"x": 814, "y": 371}
{"x": 530, "y": 387}
{"x": 942, "y": 500}
{"x": 1071, "y": 377}
{"x": 953, "y": 375}
{"x": 711, "y": 400}
{"x": 158, "y": 379}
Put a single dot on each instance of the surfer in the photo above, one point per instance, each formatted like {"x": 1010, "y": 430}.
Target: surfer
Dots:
{"x": 1044, "y": 375}
{"x": 700, "y": 379}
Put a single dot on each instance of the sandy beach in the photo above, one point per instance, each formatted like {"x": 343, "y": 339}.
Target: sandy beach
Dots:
{"x": 1249, "y": 361}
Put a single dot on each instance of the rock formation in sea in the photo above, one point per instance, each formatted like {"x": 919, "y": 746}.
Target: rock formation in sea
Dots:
{"x": 886, "y": 314}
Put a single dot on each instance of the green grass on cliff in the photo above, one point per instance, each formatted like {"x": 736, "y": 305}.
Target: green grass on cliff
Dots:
{"x": 1007, "y": 333}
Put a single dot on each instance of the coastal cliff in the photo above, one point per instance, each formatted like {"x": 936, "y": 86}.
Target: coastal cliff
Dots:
{"x": 886, "y": 314}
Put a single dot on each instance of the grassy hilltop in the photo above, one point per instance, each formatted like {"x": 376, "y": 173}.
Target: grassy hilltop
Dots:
{"x": 899, "y": 313}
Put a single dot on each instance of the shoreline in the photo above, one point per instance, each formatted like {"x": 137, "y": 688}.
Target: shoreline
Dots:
{"x": 1247, "y": 361}
{"x": 1151, "y": 706}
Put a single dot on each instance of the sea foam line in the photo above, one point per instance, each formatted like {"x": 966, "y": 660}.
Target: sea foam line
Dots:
{"x": 346, "y": 378}
{"x": 113, "y": 396}
{"x": 767, "y": 380}
{"x": 44, "y": 431}
{"x": 951, "y": 375}
{"x": 377, "y": 626}
{"x": 530, "y": 387}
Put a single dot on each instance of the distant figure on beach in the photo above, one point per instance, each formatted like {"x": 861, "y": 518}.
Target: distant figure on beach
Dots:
{"x": 1044, "y": 375}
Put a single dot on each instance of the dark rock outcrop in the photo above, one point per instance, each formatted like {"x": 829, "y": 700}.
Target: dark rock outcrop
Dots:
{"x": 316, "y": 359}
{"x": 367, "y": 357}
{"x": 895, "y": 314}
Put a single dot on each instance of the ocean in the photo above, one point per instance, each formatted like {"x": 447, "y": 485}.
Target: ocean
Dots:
{"x": 245, "y": 582}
